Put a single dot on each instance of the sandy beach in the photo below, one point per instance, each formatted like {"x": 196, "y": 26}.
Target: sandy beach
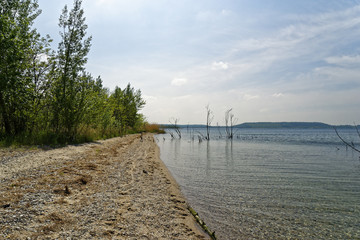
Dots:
{"x": 112, "y": 189}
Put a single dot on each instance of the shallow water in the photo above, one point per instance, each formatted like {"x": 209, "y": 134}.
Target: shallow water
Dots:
{"x": 270, "y": 183}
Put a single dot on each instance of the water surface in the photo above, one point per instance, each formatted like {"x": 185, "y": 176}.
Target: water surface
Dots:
{"x": 269, "y": 183}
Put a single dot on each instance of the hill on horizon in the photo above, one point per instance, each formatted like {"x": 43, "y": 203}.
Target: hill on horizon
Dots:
{"x": 302, "y": 125}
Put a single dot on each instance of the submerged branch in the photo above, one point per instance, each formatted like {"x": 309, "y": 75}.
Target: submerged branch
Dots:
{"x": 202, "y": 223}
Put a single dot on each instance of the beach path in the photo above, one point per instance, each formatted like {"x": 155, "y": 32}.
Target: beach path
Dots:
{"x": 112, "y": 189}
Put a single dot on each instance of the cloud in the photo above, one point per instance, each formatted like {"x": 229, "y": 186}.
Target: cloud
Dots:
{"x": 277, "y": 95}
{"x": 220, "y": 66}
{"x": 120, "y": 3}
{"x": 102, "y": 2}
{"x": 179, "y": 82}
{"x": 301, "y": 37}
{"x": 225, "y": 12}
{"x": 149, "y": 98}
{"x": 344, "y": 60}
{"x": 248, "y": 97}
{"x": 206, "y": 16}
{"x": 182, "y": 97}
{"x": 275, "y": 65}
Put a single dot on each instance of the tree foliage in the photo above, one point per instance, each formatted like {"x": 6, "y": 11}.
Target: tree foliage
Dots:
{"x": 71, "y": 84}
{"x": 48, "y": 96}
{"x": 18, "y": 49}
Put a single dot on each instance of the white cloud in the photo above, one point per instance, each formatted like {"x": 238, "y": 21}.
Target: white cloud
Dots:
{"x": 225, "y": 12}
{"x": 120, "y": 3}
{"x": 248, "y": 97}
{"x": 205, "y": 16}
{"x": 220, "y": 66}
{"x": 313, "y": 32}
{"x": 182, "y": 97}
{"x": 179, "y": 82}
{"x": 337, "y": 74}
{"x": 344, "y": 60}
{"x": 149, "y": 98}
{"x": 102, "y": 2}
{"x": 277, "y": 95}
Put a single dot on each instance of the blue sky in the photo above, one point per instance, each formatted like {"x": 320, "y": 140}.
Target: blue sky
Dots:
{"x": 268, "y": 60}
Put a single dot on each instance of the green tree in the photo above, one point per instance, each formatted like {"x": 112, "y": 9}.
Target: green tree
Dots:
{"x": 17, "y": 38}
{"x": 70, "y": 79}
{"x": 132, "y": 102}
{"x": 48, "y": 96}
{"x": 117, "y": 99}
{"x": 40, "y": 86}
{"x": 101, "y": 109}
{"x": 126, "y": 105}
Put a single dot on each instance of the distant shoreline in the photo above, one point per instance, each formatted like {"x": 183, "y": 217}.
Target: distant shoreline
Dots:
{"x": 273, "y": 125}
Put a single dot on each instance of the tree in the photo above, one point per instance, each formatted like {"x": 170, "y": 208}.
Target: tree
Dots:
{"x": 118, "y": 109}
{"x": 47, "y": 95}
{"x": 126, "y": 105}
{"x": 174, "y": 123}
{"x": 17, "y": 39}
{"x": 69, "y": 76}
{"x": 209, "y": 119}
{"x": 351, "y": 145}
{"x": 98, "y": 113}
{"x": 132, "y": 102}
{"x": 230, "y": 121}
{"x": 40, "y": 85}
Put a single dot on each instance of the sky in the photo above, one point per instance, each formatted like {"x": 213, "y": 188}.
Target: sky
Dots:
{"x": 270, "y": 61}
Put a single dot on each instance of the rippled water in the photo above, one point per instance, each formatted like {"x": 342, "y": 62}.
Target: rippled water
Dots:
{"x": 271, "y": 183}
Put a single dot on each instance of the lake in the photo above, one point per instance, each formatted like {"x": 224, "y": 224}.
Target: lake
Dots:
{"x": 269, "y": 183}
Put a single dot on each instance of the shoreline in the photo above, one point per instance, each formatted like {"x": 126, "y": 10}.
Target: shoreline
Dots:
{"x": 114, "y": 189}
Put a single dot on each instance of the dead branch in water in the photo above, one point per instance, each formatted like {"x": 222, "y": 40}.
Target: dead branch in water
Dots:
{"x": 174, "y": 122}
{"x": 209, "y": 119}
{"x": 346, "y": 143}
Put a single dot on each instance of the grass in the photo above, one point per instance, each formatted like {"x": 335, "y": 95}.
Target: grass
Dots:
{"x": 45, "y": 138}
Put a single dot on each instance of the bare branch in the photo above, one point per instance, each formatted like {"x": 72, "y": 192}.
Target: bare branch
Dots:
{"x": 174, "y": 122}
{"x": 209, "y": 119}
{"x": 357, "y": 130}
{"x": 230, "y": 121}
{"x": 346, "y": 143}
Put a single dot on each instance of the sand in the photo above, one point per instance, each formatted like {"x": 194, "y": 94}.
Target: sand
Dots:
{"x": 112, "y": 189}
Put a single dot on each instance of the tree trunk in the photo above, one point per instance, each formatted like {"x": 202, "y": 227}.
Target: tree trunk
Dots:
{"x": 5, "y": 116}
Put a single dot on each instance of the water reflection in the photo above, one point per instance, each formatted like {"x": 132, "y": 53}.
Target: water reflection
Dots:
{"x": 229, "y": 155}
{"x": 175, "y": 147}
{"x": 208, "y": 159}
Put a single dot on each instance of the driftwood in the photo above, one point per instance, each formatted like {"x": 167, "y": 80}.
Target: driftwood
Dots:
{"x": 202, "y": 223}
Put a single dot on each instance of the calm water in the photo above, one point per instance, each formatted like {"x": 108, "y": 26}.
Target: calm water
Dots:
{"x": 270, "y": 184}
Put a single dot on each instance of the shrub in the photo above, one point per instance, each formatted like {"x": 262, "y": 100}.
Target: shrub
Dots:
{"x": 153, "y": 128}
